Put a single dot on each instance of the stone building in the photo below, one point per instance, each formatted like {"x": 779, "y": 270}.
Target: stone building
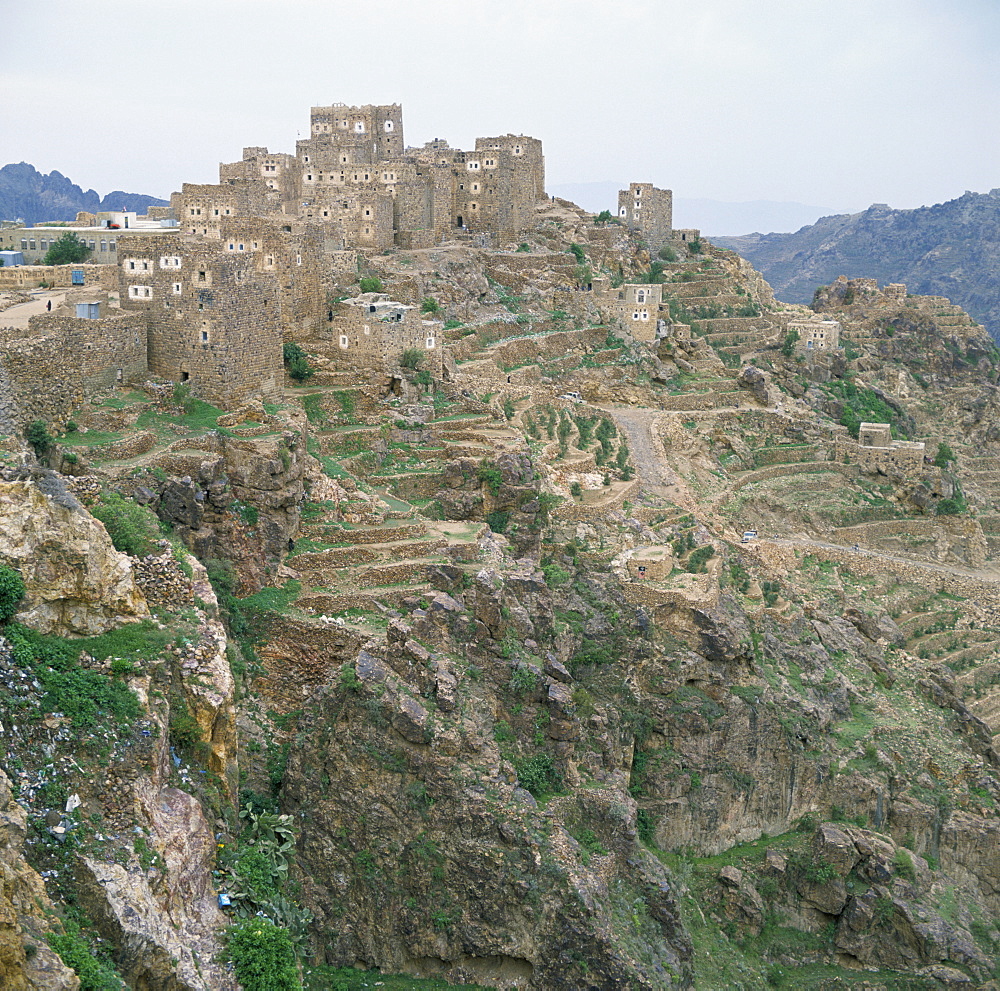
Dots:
{"x": 876, "y": 451}
{"x": 373, "y": 331}
{"x": 634, "y": 309}
{"x": 815, "y": 334}
{"x": 354, "y": 176}
{"x": 648, "y": 211}
{"x": 212, "y": 315}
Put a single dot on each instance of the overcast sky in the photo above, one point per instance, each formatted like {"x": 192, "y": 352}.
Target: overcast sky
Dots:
{"x": 837, "y": 103}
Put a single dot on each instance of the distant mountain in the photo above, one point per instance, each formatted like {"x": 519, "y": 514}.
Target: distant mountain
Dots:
{"x": 27, "y": 193}
{"x": 951, "y": 249}
{"x": 711, "y": 217}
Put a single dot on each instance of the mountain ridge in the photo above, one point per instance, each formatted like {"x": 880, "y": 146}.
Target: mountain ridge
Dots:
{"x": 30, "y": 195}
{"x": 949, "y": 249}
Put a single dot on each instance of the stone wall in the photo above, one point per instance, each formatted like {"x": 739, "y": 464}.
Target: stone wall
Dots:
{"x": 50, "y": 374}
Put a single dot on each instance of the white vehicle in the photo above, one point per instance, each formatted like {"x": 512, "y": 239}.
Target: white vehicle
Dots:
{"x": 572, "y": 397}
{"x": 748, "y": 535}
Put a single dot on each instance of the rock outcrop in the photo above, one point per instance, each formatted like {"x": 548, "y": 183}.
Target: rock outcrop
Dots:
{"x": 76, "y": 582}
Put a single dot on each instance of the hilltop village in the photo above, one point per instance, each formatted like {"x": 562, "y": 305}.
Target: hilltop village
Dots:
{"x": 428, "y": 577}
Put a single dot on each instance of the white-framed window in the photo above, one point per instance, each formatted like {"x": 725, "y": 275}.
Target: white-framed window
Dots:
{"x": 359, "y": 127}
{"x": 623, "y": 211}
{"x": 429, "y": 343}
{"x": 388, "y": 125}
{"x": 178, "y": 288}
{"x": 139, "y": 292}
{"x": 367, "y": 329}
{"x": 344, "y": 342}
{"x": 204, "y": 337}
{"x": 472, "y": 166}
{"x": 298, "y": 259}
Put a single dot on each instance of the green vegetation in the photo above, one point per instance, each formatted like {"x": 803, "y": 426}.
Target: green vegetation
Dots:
{"x": 297, "y": 362}
{"x": 262, "y": 956}
{"x": 370, "y": 283}
{"x": 11, "y": 592}
{"x": 864, "y": 405}
{"x": 412, "y": 358}
{"x": 539, "y": 775}
{"x": 430, "y": 305}
{"x": 788, "y": 345}
{"x": 38, "y": 436}
{"x": 944, "y": 455}
{"x": 68, "y": 250}
{"x": 133, "y": 529}
{"x": 88, "y": 699}
{"x": 75, "y": 952}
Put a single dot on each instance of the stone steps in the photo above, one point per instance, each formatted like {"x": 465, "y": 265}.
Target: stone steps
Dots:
{"x": 355, "y": 555}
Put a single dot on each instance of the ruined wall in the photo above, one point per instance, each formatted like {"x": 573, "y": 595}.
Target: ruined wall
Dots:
{"x": 39, "y": 383}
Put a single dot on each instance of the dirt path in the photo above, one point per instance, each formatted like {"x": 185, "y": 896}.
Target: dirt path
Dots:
{"x": 657, "y": 477}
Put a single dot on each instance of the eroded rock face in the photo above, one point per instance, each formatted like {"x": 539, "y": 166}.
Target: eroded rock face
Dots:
{"x": 23, "y": 902}
{"x": 420, "y": 853}
{"x": 76, "y": 582}
{"x": 165, "y": 930}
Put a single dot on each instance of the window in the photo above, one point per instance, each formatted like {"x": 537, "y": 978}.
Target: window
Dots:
{"x": 202, "y": 276}
{"x": 131, "y": 266}
{"x": 216, "y": 211}
{"x": 24, "y": 244}
{"x": 32, "y": 244}
{"x": 388, "y": 125}
{"x": 298, "y": 259}
{"x": 178, "y": 289}
{"x": 344, "y": 341}
{"x": 113, "y": 246}
{"x": 204, "y": 337}
{"x": 306, "y": 159}
{"x": 429, "y": 343}
{"x": 104, "y": 245}
{"x": 359, "y": 127}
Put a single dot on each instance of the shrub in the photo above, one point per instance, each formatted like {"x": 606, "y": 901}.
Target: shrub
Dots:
{"x": 944, "y": 455}
{"x": 76, "y": 954}
{"x": 950, "y": 507}
{"x": 695, "y": 246}
{"x": 297, "y": 362}
{"x": 492, "y": 476}
{"x": 498, "y": 520}
{"x": 508, "y": 408}
{"x": 603, "y": 217}
{"x": 698, "y": 558}
{"x": 11, "y": 592}
{"x": 576, "y": 490}
{"x": 131, "y": 527}
{"x": 412, "y": 358}
{"x": 370, "y": 283}
{"x": 576, "y": 250}
{"x": 452, "y": 324}
{"x": 262, "y": 956}
{"x": 429, "y": 305}
{"x": 38, "y": 436}
{"x": 539, "y": 775}
{"x": 667, "y": 254}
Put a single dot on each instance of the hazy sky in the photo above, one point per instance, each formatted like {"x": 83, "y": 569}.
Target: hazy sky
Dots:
{"x": 838, "y": 103}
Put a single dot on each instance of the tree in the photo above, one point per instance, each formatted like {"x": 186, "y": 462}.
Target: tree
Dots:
{"x": 791, "y": 339}
{"x": 430, "y": 305}
{"x": 68, "y": 250}
{"x": 370, "y": 284}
